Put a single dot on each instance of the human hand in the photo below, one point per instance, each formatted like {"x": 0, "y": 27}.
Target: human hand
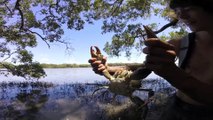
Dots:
{"x": 98, "y": 65}
{"x": 160, "y": 56}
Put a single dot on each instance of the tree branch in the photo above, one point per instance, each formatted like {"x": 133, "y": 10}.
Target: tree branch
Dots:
{"x": 51, "y": 6}
{"x": 11, "y": 13}
{"x": 9, "y": 55}
{"x": 17, "y": 6}
{"x": 172, "y": 23}
{"x": 116, "y": 8}
{"x": 39, "y": 36}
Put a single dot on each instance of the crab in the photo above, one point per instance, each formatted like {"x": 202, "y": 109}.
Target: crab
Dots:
{"x": 121, "y": 83}
{"x": 125, "y": 82}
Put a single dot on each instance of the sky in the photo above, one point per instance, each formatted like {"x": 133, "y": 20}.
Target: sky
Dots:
{"x": 81, "y": 42}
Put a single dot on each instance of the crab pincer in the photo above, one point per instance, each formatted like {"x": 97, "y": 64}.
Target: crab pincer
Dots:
{"x": 96, "y": 53}
{"x": 149, "y": 32}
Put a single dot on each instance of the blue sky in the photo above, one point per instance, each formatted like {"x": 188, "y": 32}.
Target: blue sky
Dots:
{"x": 81, "y": 42}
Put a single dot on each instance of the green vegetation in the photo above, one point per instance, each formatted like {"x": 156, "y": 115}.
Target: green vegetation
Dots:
{"x": 45, "y": 65}
{"x": 22, "y": 22}
{"x": 64, "y": 65}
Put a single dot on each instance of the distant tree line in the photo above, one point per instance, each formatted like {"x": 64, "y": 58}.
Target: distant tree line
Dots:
{"x": 46, "y": 65}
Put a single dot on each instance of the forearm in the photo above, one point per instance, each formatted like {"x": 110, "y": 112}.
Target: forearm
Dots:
{"x": 191, "y": 86}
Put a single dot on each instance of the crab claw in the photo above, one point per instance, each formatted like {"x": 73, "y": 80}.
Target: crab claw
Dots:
{"x": 96, "y": 52}
{"x": 92, "y": 52}
{"x": 149, "y": 32}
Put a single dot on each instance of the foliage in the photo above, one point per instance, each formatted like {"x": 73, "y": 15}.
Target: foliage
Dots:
{"x": 27, "y": 70}
{"x": 64, "y": 65}
{"x": 24, "y": 22}
{"x": 130, "y": 35}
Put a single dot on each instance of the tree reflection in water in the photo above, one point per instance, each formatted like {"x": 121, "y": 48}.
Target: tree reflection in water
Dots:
{"x": 44, "y": 101}
{"x": 23, "y": 100}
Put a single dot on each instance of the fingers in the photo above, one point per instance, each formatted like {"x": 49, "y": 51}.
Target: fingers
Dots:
{"x": 161, "y": 52}
{"x": 160, "y": 55}
{"x": 156, "y": 42}
{"x": 98, "y": 66}
{"x": 91, "y": 60}
{"x": 156, "y": 47}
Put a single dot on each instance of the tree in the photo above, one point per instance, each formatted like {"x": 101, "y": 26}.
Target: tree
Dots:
{"x": 122, "y": 18}
{"x": 23, "y": 22}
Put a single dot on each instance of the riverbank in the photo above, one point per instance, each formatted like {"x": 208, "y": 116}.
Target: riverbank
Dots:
{"x": 46, "y": 65}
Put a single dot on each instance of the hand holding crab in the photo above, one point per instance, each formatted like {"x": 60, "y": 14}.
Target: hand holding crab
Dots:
{"x": 120, "y": 77}
{"x": 123, "y": 81}
{"x": 120, "y": 82}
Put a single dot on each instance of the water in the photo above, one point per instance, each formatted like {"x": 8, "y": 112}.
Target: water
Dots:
{"x": 65, "y": 95}
{"x": 67, "y": 76}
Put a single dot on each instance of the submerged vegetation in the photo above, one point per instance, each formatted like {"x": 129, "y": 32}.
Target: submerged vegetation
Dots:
{"x": 42, "y": 100}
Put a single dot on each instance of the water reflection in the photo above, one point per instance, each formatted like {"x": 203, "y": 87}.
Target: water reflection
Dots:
{"x": 22, "y": 100}
{"x": 44, "y": 101}
{"x": 67, "y": 76}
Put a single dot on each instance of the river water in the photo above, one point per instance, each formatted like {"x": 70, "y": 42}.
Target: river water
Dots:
{"x": 66, "y": 76}
{"x": 65, "y": 95}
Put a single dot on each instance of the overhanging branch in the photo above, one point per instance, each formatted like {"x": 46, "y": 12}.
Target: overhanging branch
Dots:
{"x": 39, "y": 36}
{"x": 9, "y": 55}
{"x": 17, "y": 6}
{"x": 172, "y": 23}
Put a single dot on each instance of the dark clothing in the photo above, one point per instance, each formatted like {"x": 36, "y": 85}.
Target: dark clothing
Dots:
{"x": 176, "y": 108}
{"x": 179, "y": 110}
{"x": 186, "y": 49}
